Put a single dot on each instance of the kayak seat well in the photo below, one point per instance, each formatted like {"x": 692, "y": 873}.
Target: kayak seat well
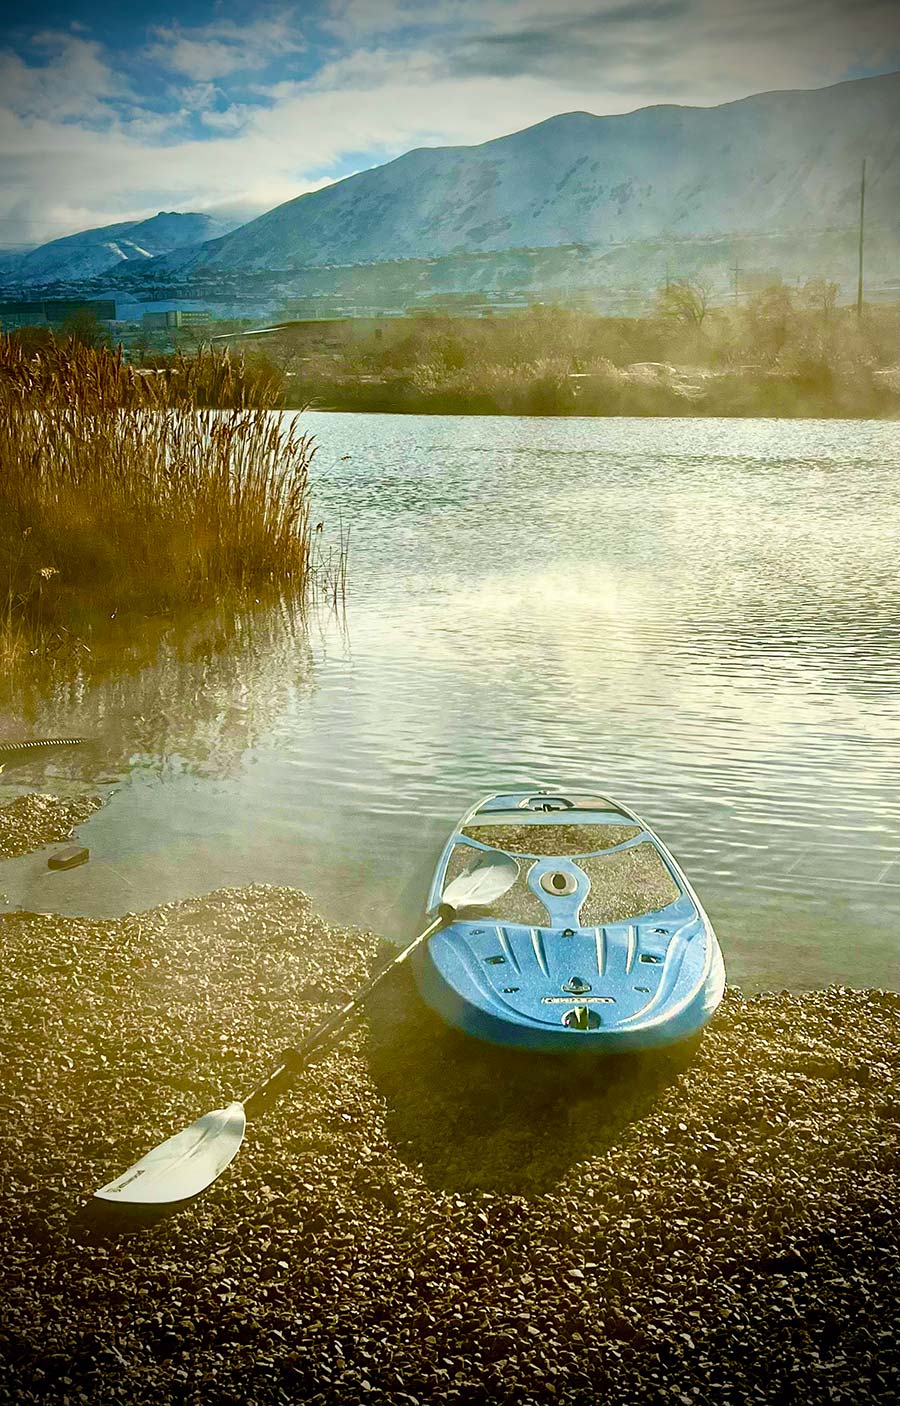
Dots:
{"x": 624, "y": 884}
{"x": 539, "y": 840}
{"x": 518, "y": 905}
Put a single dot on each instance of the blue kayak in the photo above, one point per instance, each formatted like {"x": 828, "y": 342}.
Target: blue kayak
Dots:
{"x": 600, "y": 943}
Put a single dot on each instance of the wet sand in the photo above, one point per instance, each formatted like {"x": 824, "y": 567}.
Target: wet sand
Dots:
{"x": 426, "y": 1219}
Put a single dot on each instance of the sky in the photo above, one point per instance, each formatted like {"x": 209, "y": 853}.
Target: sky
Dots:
{"x": 113, "y": 111}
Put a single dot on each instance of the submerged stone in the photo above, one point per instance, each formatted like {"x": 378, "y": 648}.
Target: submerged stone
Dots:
{"x": 69, "y": 857}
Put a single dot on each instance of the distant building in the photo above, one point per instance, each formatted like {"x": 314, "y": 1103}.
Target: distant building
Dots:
{"x": 14, "y": 315}
{"x": 335, "y": 307}
{"x": 59, "y": 310}
{"x": 175, "y": 317}
{"x": 312, "y": 308}
{"x": 53, "y": 312}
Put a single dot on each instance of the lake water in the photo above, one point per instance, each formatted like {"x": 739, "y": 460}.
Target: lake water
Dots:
{"x": 699, "y": 616}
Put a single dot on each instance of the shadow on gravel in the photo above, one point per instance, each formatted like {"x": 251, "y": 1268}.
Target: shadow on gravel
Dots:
{"x": 475, "y": 1116}
{"x": 95, "y": 1221}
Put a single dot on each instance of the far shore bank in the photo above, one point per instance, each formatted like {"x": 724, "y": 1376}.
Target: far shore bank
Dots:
{"x": 651, "y": 390}
{"x": 426, "y": 1218}
{"x": 786, "y": 352}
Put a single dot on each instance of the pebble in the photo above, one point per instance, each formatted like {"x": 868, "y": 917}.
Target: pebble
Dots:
{"x": 425, "y": 1219}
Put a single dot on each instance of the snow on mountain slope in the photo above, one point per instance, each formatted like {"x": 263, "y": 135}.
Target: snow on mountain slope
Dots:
{"x": 769, "y": 163}
{"x": 97, "y": 251}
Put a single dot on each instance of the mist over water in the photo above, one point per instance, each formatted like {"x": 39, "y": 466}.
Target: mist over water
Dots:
{"x": 699, "y": 616}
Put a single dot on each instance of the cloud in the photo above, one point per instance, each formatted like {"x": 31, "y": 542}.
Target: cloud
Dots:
{"x": 569, "y": 45}
{"x": 222, "y": 48}
{"x": 353, "y": 20}
{"x": 688, "y": 50}
{"x": 74, "y": 81}
{"x": 234, "y": 118}
{"x": 67, "y": 178}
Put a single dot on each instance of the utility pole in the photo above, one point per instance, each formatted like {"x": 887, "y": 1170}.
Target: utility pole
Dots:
{"x": 862, "y": 219}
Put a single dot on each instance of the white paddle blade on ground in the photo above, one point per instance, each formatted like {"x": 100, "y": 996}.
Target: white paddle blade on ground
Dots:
{"x": 483, "y": 884}
{"x": 182, "y": 1167}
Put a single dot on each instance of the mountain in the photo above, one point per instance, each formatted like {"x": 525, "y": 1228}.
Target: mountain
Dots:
{"x": 576, "y": 204}
{"x": 770, "y": 163}
{"x": 95, "y": 252}
{"x": 776, "y": 162}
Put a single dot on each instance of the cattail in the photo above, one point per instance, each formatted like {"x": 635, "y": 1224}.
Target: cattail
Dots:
{"x": 148, "y": 491}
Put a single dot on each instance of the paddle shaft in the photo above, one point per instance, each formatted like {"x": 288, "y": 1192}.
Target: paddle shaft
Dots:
{"x": 294, "y": 1061}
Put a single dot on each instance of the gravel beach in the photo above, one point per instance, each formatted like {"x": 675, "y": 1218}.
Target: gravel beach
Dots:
{"x": 28, "y": 822}
{"x": 426, "y": 1219}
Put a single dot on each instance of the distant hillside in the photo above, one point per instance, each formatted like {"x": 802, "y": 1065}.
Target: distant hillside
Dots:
{"x": 95, "y": 252}
{"x": 774, "y": 163}
{"x": 576, "y": 207}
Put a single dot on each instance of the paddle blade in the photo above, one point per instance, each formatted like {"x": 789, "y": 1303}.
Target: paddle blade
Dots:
{"x": 183, "y": 1166}
{"x": 482, "y": 885}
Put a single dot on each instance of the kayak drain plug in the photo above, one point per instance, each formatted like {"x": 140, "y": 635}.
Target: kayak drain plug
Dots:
{"x": 558, "y": 883}
{"x": 581, "y": 1018}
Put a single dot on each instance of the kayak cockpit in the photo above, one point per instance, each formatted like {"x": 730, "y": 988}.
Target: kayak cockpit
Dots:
{"x": 600, "y": 935}
{"x": 592, "y": 862}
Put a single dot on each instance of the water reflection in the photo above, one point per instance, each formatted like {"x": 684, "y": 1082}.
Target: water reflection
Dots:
{"x": 167, "y": 745}
{"x": 212, "y": 687}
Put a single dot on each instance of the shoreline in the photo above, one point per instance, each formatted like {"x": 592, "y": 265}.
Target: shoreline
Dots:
{"x": 349, "y": 409}
{"x": 426, "y": 1218}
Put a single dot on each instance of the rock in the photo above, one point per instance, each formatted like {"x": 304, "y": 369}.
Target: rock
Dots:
{"x": 69, "y": 858}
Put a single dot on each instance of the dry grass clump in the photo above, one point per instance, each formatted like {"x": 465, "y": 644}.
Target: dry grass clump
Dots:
{"x": 128, "y": 492}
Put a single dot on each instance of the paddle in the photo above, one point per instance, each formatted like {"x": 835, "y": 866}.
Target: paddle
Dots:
{"x": 183, "y": 1166}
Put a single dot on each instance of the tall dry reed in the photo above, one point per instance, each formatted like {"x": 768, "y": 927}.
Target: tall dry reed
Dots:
{"x": 123, "y": 491}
